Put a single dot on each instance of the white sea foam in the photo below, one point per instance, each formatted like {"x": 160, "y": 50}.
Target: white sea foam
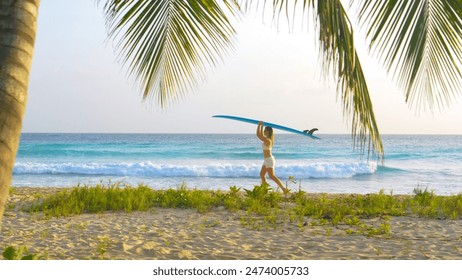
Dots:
{"x": 236, "y": 170}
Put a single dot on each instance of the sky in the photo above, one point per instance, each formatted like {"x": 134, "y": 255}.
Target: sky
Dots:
{"x": 77, "y": 84}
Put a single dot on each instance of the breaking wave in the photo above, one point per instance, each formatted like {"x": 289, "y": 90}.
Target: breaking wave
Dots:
{"x": 149, "y": 169}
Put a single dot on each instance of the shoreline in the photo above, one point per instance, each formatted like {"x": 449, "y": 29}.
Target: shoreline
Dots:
{"x": 183, "y": 234}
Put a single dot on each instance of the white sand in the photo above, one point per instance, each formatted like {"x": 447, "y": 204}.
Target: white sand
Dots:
{"x": 219, "y": 234}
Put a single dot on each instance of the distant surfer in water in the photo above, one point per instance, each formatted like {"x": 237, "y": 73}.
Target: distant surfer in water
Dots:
{"x": 267, "y": 137}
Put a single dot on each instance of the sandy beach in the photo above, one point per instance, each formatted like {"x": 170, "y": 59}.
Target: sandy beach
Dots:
{"x": 218, "y": 234}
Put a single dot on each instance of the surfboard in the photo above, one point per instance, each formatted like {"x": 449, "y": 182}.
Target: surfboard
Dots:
{"x": 273, "y": 125}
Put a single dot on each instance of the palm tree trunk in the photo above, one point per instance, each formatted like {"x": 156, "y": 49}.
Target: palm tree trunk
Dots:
{"x": 18, "y": 21}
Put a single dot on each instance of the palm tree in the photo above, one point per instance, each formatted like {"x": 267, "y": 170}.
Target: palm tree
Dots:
{"x": 168, "y": 45}
{"x": 18, "y": 20}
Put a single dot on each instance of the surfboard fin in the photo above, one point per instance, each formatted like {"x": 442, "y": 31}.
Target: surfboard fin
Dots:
{"x": 311, "y": 131}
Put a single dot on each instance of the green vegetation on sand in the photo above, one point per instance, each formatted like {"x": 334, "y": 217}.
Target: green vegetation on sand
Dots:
{"x": 261, "y": 200}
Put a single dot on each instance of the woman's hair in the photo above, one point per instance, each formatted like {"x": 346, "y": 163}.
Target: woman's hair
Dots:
{"x": 270, "y": 132}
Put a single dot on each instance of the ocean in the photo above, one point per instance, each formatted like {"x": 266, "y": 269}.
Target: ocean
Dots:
{"x": 219, "y": 161}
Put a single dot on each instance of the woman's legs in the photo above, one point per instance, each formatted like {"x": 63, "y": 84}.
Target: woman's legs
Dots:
{"x": 276, "y": 179}
{"x": 273, "y": 177}
{"x": 263, "y": 175}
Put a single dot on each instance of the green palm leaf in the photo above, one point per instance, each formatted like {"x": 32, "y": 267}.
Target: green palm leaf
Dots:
{"x": 339, "y": 52}
{"x": 421, "y": 42}
{"x": 340, "y": 58}
{"x": 168, "y": 44}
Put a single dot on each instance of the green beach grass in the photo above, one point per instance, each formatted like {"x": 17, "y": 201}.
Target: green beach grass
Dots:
{"x": 260, "y": 203}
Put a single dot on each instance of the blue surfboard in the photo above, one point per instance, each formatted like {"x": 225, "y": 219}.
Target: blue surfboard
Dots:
{"x": 275, "y": 126}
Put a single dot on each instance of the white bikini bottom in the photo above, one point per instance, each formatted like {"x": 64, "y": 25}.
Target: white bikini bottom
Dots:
{"x": 269, "y": 162}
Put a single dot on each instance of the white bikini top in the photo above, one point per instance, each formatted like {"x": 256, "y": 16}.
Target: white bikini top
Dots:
{"x": 265, "y": 147}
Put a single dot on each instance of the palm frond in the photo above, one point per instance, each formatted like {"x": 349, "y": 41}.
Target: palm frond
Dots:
{"x": 340, "y": 58}
{"x": 169, "y": 44}
{"x": 420, "y": 41}
{"x": 339, "y": 52}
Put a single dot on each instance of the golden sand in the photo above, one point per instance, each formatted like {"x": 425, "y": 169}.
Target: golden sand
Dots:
{"x": 219, "y": 234}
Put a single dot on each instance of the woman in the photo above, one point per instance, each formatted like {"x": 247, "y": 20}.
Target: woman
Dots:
{"x": 267, "y": 137}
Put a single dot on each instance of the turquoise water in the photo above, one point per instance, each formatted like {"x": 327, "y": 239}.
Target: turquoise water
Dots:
{"x": 218, "y": 161}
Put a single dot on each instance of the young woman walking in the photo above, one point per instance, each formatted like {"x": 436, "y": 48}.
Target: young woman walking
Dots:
{"x": 265, "y": 134}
